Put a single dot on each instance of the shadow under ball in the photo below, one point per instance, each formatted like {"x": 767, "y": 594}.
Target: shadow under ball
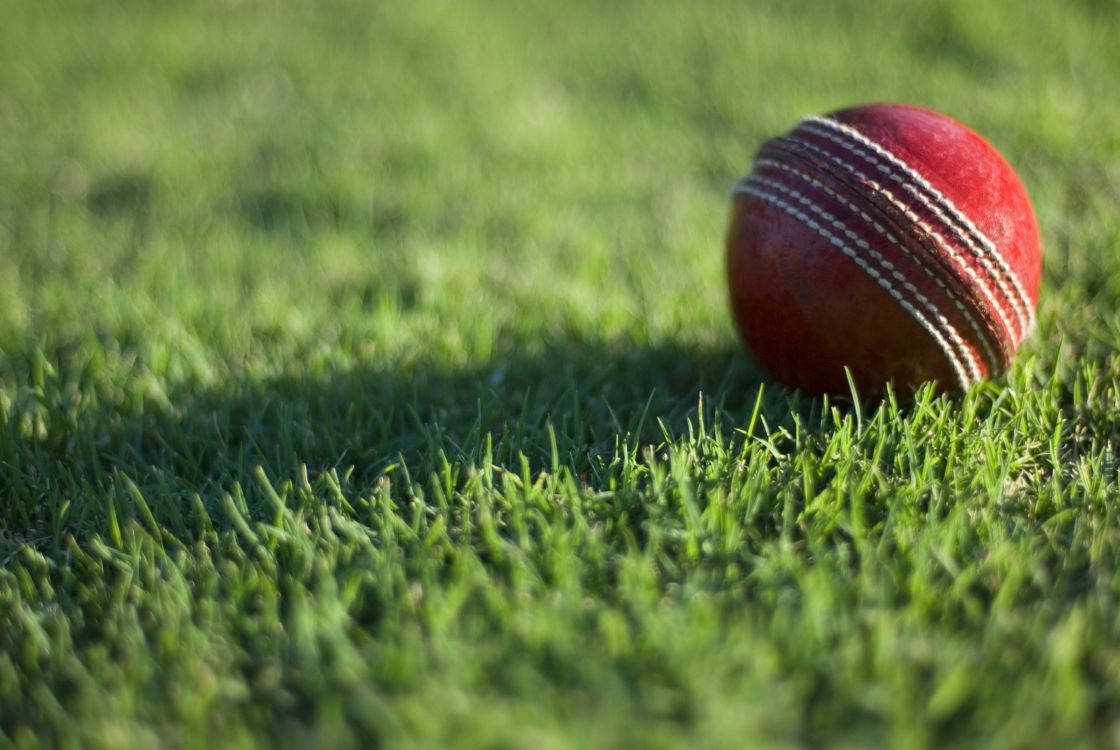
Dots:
{"x": 888, "y": 239}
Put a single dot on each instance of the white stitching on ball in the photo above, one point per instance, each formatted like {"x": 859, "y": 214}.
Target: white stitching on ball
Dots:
{"x": 942, "y": 242}
{"x": 749, "y": 186}
{"x": 946, "y": 328}
{"x": 981, "y": 337}
{"x": 941, "y": 206}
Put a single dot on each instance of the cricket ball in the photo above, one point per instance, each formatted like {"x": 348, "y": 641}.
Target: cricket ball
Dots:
{"x": 887, "y": 239}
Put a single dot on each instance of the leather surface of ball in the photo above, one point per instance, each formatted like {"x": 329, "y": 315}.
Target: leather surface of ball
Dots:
{"x": 888, "y": 239}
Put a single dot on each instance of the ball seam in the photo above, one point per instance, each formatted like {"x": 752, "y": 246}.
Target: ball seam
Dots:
{"x": 958, "y": 223}
{"x": 994, "y": 362}
{"x": 946, "y": 328}
{"x": 963, "y": 379}
{"x": 996, "y": 304}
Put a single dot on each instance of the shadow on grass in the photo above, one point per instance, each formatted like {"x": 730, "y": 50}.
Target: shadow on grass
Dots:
{"x": 586, "y": 394}
{"x": 573, "y": 402}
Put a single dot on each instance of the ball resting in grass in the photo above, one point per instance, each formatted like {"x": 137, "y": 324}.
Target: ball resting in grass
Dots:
{"x": 887, "y": 239}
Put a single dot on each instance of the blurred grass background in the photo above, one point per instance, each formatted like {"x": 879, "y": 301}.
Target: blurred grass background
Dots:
{"x": 351, "y": 360}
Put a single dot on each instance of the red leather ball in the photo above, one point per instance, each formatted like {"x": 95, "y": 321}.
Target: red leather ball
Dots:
{"x": 888, "y": 239}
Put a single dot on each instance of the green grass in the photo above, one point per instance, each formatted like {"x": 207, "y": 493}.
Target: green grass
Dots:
{"x": 366, "y": 379}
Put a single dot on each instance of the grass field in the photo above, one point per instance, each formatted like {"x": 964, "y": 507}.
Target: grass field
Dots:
{"x": 367, "y": 379}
